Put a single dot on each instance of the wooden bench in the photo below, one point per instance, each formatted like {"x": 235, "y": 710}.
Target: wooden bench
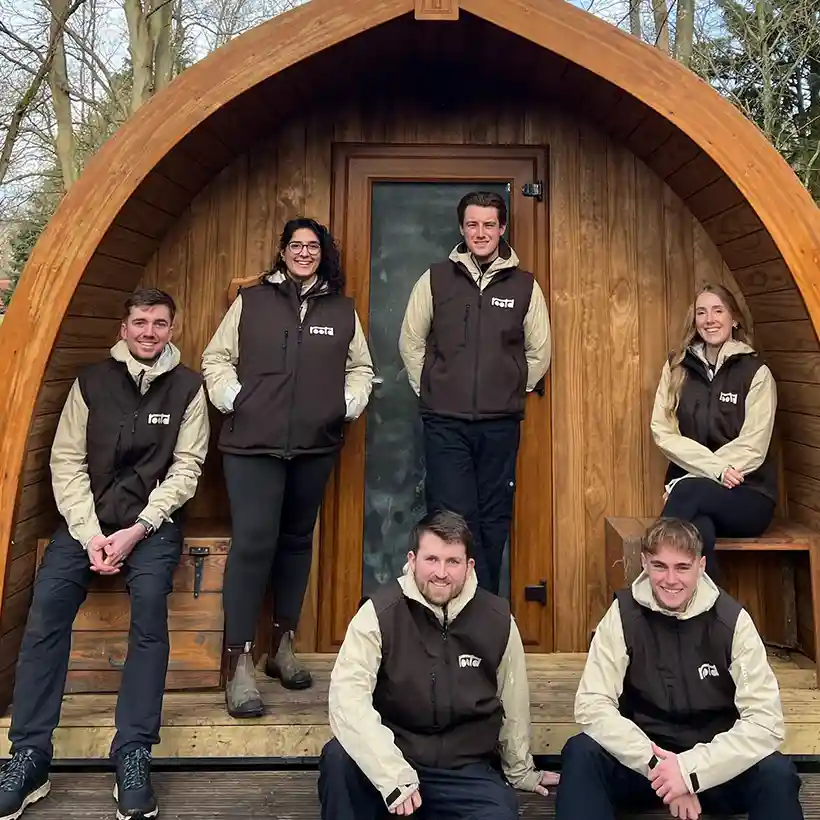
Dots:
{"x": 99, "y": 636}
{"x": 623, "y": 538}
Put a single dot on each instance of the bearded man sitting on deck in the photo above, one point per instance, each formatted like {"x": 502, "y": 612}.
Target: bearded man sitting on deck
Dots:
{"x": 429, "y": 692}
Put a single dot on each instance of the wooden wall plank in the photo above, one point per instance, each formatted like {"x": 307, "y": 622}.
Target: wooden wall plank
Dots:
{"x": 780, "y": 306}
{"x": 794, "y": 335}
{"x": 596, "y": 367}
{"x": 654, "y": 323}
{"x": 679, "y": 265}
{"x": 764, "y": 278}
{"x": 795, "y": 366}
{"x": 66, "y": 363}
{"x": 568, "y": 385}
{"x": 624, "y": 330}
{"x": 799, "y": 427}
{"x": 102, "y": 302}
{"x": 262, "y": 187}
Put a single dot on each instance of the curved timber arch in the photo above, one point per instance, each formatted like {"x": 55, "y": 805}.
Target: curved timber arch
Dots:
{"x": 761, "y": 218}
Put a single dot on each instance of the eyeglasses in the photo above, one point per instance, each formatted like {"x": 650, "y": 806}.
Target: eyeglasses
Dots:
{"x": 296, "y": 248}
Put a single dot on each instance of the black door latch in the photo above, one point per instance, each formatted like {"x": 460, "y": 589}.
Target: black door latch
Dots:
{"x": 536, "y": 592}
{"x": 199, "y": 554}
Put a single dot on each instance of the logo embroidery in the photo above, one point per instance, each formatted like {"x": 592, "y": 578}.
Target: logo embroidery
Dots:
{"x": 159, "y": 418}
{"x": 706, "y": 670}
{"x": 315, "y": 330}
{"x": 731, "y": 398}
{"x": 504, "y": 303}
{"x": 468, "y": 660}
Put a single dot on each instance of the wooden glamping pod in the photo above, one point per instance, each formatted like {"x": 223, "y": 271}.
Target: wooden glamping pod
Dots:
{"x": 374, "y": 116}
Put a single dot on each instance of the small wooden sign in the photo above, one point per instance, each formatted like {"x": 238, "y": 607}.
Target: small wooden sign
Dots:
{"x": 436, "y": 9}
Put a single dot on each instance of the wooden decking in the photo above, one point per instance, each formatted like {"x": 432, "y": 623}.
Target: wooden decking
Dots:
{"x": 249, "y": 795}
{"x": 196, "y": 725}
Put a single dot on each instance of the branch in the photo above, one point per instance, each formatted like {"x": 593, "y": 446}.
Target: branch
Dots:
{"x": 19, "y": 40}
{"x": 25, "y": 102}
{"x": 157, "y": 8}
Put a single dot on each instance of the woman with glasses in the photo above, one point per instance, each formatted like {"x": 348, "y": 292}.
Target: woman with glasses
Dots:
{"x": 288, "y": 365}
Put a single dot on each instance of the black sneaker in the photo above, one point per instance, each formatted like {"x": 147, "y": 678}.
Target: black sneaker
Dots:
{"x": 23, "y": 781}
{"x": 132, "y": 790}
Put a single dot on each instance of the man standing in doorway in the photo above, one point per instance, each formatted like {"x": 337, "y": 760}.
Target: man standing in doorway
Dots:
{"x": 475, "y": 339}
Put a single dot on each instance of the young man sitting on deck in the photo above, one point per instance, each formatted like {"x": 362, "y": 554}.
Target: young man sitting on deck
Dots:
{"x": 677, "y": 700}
{"x": 428, "y": 690}
{"x": 127, "y": 454}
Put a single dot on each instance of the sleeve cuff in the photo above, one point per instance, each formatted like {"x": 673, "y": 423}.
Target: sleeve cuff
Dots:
{"x": 689, "y": 778}
{"x": 528, "y": 782}
{"x": 153, "y": 516}
{"x": 231, "y": 392}
{"x": 400, "y": 794}
{"x": 84, "y": 533}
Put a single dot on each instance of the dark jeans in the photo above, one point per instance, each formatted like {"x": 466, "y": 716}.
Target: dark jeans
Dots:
{"x": 473, "y": 792}
{"x": 594, "y": 784}
{"x": 719, "y": 512}
{"x": 470, "y": 470}
{"x": 59, "y": 590}
{"x": 274, "y": 505}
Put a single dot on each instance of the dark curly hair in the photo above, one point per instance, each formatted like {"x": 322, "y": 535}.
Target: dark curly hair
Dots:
{"x": 330, "y": 266}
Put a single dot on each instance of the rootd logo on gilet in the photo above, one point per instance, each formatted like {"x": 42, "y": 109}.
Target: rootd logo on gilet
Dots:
{"x": 505, "y": 303}
{"x": 159, "y": 418}
{"x": 468, "y": 660}
{"x": 731, "y": 398}
{"x": 706, "y": 670}
{"x": 316, "y": 330}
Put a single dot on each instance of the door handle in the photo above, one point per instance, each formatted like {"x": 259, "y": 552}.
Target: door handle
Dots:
{"x": 536, "y": 593}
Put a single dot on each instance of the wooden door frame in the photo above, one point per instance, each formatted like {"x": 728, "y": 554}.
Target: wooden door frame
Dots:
{"x": 355, "y": 166}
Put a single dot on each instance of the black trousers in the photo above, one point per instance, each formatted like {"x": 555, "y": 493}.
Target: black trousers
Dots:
{"x": 274, "y": 505}
{"x": 470, "y": 470}
{"x": 59, "y": 590}
{"x": 473, "y": 792}
{"x": 719, "y": 512}
{"x": 594, "y": 784}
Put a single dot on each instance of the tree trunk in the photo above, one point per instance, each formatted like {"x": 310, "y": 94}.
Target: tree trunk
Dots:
{"x": 684, "y": 31}
{"x": 159, "y": 27}
{"x": 58, "y": 80}
{"x": 141, "y": 50}
{"x": 635, "y": 18}
{"x": 660, "y": 11}
{"x": 20, "y": 110}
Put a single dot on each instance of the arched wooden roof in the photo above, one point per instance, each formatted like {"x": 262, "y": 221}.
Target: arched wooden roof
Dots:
{"x": 731, "y": 178}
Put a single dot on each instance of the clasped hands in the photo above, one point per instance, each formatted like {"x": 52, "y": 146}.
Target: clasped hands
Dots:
{"x": 107, "y": 552}
{"x": 668, "y": 783}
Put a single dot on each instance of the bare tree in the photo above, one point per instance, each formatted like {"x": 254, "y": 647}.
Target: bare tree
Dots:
{"x": 27, "y": 98}
{"x": 60, "y": 97}
{"x": 660, "y": 13}
{"x": 684, "y": 31}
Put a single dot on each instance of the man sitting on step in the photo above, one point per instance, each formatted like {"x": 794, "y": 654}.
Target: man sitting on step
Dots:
{"x": 127, "y": 454}
{"x": 677, "y": 701}
{"x": 429, "y": 690}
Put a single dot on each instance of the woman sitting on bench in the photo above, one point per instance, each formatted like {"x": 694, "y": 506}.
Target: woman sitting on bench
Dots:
{"x": 713, "y": 418}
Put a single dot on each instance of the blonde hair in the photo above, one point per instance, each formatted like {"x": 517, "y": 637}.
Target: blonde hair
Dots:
{"x": 681, "y": 536}
{"x": 690, "y": 334}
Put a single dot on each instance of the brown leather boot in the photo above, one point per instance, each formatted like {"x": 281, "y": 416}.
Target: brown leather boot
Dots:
{"x": 241, "y": 693}
{"x": 282, "y": 663}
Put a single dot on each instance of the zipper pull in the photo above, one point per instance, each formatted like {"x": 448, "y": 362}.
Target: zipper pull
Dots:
{"x": 134, "y": 422}
{"x": 285, "y": 342}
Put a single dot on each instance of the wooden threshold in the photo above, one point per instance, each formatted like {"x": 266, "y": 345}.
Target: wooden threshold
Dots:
{"x": 196, "y": 725}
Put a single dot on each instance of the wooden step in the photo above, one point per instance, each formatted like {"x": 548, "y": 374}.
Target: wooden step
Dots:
{"x": 196, "y": 724}
{"x": 249, "y": 795}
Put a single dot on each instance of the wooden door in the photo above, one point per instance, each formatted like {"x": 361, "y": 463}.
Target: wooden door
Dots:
{"x": 394, "y": 212}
